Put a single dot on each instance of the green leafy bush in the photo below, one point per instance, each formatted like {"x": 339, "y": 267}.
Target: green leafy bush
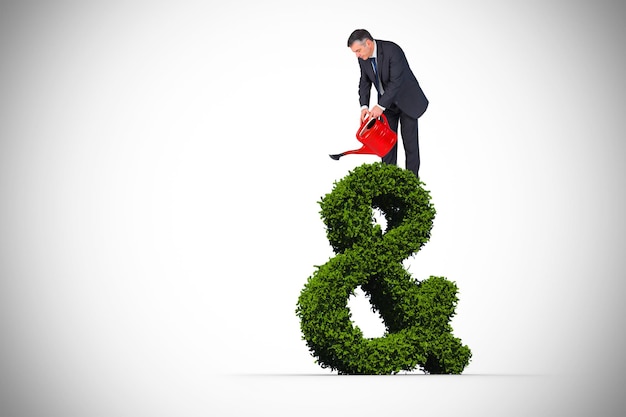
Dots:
{"x": 416, "y": 314}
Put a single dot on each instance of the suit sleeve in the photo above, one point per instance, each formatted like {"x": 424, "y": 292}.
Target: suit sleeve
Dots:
{"x": 365, "y": 88}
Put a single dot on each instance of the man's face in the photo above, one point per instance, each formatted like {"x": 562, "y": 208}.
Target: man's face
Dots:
{"x": 363, "y": 50}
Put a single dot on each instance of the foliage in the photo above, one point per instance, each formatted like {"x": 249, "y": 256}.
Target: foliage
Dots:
{"x": 416, "y": 314}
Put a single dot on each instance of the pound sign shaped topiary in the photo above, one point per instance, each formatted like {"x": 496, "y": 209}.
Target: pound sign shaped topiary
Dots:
{"x": 416, "y": 314}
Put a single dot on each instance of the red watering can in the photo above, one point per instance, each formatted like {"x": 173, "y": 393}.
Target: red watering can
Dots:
{"x": 376, "y": 136}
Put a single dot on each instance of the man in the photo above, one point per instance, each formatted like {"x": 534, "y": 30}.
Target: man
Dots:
{"x": 400, "y": 96}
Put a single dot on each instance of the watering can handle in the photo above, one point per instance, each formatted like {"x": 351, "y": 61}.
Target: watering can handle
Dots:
{"x": 381, "y": 117}
{"x": 366, "y": 121}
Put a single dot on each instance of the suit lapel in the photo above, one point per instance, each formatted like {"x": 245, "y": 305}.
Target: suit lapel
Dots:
{"x": 379, "y": 59}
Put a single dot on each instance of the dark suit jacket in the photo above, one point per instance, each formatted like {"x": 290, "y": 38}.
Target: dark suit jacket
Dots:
{"x": 400, "y": 85}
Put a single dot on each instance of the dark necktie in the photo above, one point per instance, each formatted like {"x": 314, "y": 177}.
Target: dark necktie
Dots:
{"x": 376, "y": 75}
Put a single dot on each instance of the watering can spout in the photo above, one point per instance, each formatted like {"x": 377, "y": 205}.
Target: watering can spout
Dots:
{"x": 362, "y": 150}
{"x": 376, "y": 136}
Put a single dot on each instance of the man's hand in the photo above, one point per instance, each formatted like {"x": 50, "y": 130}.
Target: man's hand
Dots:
{"x": 376, "y": 112}
{"x": 364, "y": 114}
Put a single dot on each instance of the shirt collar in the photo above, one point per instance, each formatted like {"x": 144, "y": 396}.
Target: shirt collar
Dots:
{"x": 374, "y": 51}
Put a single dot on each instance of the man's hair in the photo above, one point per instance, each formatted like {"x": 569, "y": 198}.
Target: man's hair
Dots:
{"x": 359, "y": 35}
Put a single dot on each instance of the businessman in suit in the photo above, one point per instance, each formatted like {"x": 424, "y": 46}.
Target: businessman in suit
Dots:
{"x": 400, "y": 96}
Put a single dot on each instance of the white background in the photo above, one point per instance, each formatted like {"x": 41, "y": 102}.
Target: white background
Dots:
{"x": 160, "y": 168}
